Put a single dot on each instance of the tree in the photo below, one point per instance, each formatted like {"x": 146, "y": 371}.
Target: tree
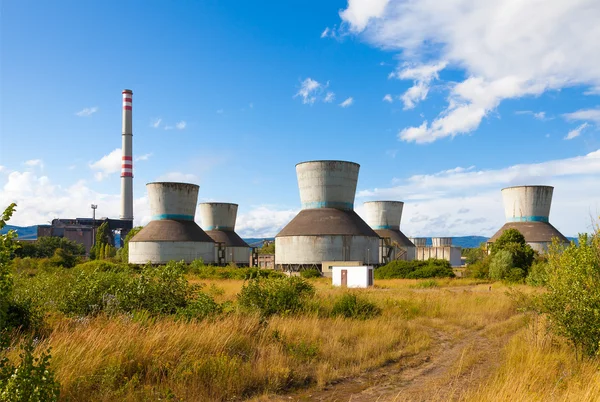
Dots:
{"x": 514, "y": 242}
{"x": 124, "y": 251}
{"x": 45, "y": 247}
{"x": 103, "y": 237}
{"x": 267, "y": 248}
{"x": 501, "y": 264}
{"x": 7, "y": 247}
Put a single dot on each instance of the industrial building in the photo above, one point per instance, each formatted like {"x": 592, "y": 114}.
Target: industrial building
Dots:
{"x": 441, "y": 248}
{"x": 384, "y": 217}
{"x": 527, "y": 209}
{"x": 327, "y": 228}
{"x": 172, "y": 234}
{"x": 218, "y": 221}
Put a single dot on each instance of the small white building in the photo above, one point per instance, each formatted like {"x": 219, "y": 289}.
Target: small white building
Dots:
{"x": 352, "y": 277}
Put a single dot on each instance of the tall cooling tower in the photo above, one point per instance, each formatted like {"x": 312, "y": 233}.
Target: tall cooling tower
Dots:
{"x": 218, "y": 220}
{"x": 527, "y": 209}
{"x": 384, "y": 217}
{"x": 172, "y": 234}
{"x": 327, "y": 228}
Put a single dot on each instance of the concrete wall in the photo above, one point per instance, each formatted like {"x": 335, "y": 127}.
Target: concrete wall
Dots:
{"x": 441, "y": 241}
{"x": 398, "y": 253}
{"x": 218, "y": 215}
{"x": 316, "y": 249}
{"x": 165, "y": 251}
{"x": 384, "y": 214}
{"x": 419, "y": 241}
{"x": 357, "y": 277}
{"x": 327, "y": 184}
{"x": 527, "y": 203}
{"x": 172, "y": 200}
{"x": 238, "y": 255}
{"x": 266, "y": 261}
{"x": 451, "y": 254}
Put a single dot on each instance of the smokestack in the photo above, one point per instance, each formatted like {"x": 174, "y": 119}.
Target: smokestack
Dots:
{"x": 127, "y": 159}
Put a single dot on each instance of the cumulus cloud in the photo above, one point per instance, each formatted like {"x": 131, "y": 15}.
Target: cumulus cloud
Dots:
{"x": 107, "y": 165}
{"x": 180, "y": 125}
{"x": 35, "y": 163}
{"x": 576, "y": 132}
{"x": 536, "y": 115}
{"x": 388, "y": 98}
{"x": 433, "y": 202}
{"x": 348, "y": 102}
{"x": 88, "y": 111}
{"x": 422, "y": 76}
{"x": 325, "y": 32}
{"x": 329, "y": 97}
{"x": 155, "y": 123}
{"x": 263, "y": 221}
{"x": 491, "y": 42}
{"x": 144, "y": 157}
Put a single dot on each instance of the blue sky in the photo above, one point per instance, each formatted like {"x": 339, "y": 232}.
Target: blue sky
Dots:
{"x": 443, "y": 103}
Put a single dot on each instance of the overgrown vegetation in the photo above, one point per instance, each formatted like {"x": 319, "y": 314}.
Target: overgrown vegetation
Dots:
{"x": 310, "y": 273}
{"x": 350, "y": 305}
{"x": 267, "y": 248}
{"x": 123, "y": 253}
{"x": 432, "y": 268}
{"x": 276, "y": 295}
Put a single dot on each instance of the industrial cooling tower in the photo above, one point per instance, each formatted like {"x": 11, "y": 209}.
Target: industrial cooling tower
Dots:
{"x": 384, "y": 217}
{"x": 327, "y": 228}
{"x": 218, "y": 220}
{"x": 172, "y": 234}
{"x": 527, "y": 209}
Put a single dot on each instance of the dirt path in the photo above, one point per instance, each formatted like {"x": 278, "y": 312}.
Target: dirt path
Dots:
{"x": 443, "y": 373}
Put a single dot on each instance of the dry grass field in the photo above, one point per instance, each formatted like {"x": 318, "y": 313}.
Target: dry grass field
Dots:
{"x": 448, "y": 339}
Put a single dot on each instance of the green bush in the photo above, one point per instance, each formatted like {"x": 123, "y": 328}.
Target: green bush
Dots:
{"x": 212, "y": 272}
{"x": 352, "y": 306}
{"x": 572, "y": 302}
{"x": 538, "y": 274}
{"x": 513, "y": 241}
{"x": 501, "y": 264}
{"x": 275, "y": 295}
{"x": 31, "y": 381}
{"x": 432, "y": 268}
{"x": 310, "y": 273}
{"x": 202, "y": 306}
{"x": 479, "y": 269}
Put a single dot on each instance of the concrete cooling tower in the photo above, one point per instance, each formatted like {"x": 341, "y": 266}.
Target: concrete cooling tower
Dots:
{"x": 327, "y": 228}
{"x": 172, "y": 234}
{"x": 527, "y": 209}
{"x": 218, "y": 220}
{"x": 384, "y": 217}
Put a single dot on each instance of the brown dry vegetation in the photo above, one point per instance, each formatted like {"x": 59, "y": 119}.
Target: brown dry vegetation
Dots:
{"x": 452, "y": 339}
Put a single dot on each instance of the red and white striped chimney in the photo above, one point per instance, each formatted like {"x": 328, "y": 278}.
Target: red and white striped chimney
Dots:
{"x": 127, "y": 160}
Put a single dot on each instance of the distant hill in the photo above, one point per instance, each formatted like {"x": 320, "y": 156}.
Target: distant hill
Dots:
{"x": 24, "y": 232}
{"x": 257, "y": 241}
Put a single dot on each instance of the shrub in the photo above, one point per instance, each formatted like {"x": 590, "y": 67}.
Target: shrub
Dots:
{"x": 572, "y": 302}
{"x": 479, "y": 269}
{"x": 538, "y": 274}
{"x": 513, "y": 242}
{"x": 45, "y": 247}
{"x": 32, "y": 380}
{"x": 275, "y": 295}
{"x": 432, "y": 268}
{"x": 123, "y": 252}
{"x": 352, "y": 306}
{"x": 310, "y": 273}
{"x": 202, "y": 306}
{"x": 515, "y": 275}
{"x": 211, "y": 272}
{"x": 502, "y": 263}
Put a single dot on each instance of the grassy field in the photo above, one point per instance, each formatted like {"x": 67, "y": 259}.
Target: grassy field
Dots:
{"x": 440, "y": 339}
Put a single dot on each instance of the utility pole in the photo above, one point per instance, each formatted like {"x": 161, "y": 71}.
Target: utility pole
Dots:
{"x": 94, "y": 206}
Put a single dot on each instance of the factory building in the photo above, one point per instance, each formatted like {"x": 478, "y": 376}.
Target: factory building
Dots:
{"x": 327, "y": 228}
{"x": 384, "y": 217}
{"x": 441, "y": 248}
{"x": 172, "y": 234}
{"x": 527, "y": 209}
{"x": 218, "y": 221}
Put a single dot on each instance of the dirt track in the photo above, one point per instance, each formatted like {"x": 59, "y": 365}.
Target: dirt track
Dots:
{"x": 444, "y": 373}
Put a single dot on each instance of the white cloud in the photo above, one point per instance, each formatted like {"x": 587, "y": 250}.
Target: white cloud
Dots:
{"x": 156, "y": 123}
{"x": 576, "y": 132}
{"x": 507, "y": 49}
{"x": 349, "y": 101}
{"x": 422, "y": 75}
{"x": 88, "y": 111}
{"x": 325, "y": 32}
{"x": 2, "y": 168}
{"x": 584, "y": 114}
{"x": 180, "y": 125}
{"x": 144, "y": 157}
{"x": 329, "y": 97}
{"x": 359, "y": 12}
{"x": 388, "y": 98}
{"x": 107, "y": 165}
{"x": 308, "y": 91}
{"x": 35, "y": 163}
{"x": 540, "y": 115}
{"x": 433, "y": 200}
{"x": 263, "y": 221}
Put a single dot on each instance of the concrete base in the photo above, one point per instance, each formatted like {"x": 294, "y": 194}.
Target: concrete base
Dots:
{"x": 165, "y": 251}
